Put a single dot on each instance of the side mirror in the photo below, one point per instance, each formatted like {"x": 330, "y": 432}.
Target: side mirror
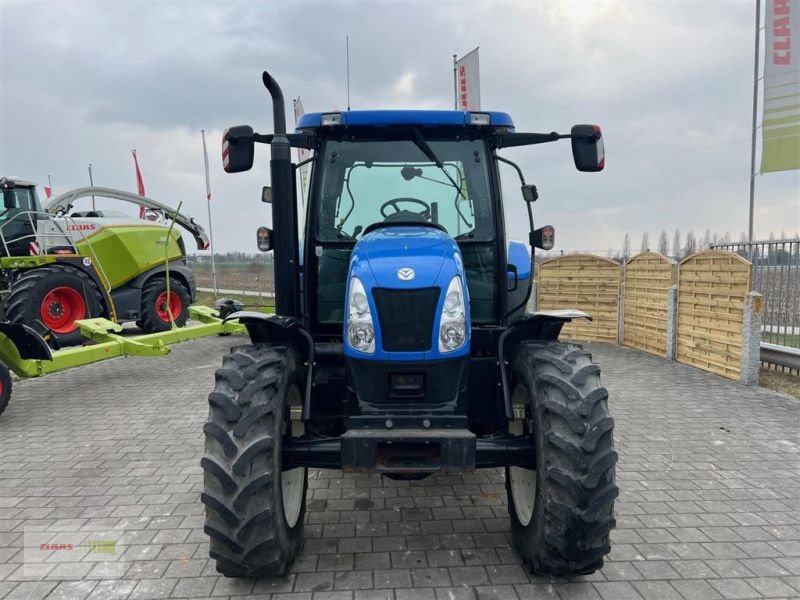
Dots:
{"x": 530, "y": 193}
{"x": 266, "y": 194}
{"x": 9, "y": 198}
{"x": 238, "y": 149}
{"x": 544, "y": 237}
{"x": 264, "y": 239}
{"x": 588, "y": 151}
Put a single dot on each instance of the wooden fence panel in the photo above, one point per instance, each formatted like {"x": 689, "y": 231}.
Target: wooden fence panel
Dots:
{"x": 713, "y": 286}
{"x": 588, "y": 283}
{"x": 648, "y": 277}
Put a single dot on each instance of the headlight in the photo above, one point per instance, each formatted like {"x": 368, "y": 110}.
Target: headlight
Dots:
{"x": 360, "y": 330}
{"x": 453, "y": 326}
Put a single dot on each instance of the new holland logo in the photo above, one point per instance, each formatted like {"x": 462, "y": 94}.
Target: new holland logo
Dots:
{"x": 406, "y": 274}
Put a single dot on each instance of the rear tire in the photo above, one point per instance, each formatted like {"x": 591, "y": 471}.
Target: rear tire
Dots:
{"x": 154, "y": 314}
{"x": 562, "y": 513}
{"x": 5, "y": 387}
{"x": 254, "y": 510}
{"x": 56, "y": 296}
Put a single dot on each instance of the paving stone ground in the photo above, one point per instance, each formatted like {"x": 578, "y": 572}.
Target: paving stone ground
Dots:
{"x": 709, "y": 475}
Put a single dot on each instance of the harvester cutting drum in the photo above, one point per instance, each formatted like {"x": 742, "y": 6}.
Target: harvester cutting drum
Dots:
{"x": 60, "y": 266}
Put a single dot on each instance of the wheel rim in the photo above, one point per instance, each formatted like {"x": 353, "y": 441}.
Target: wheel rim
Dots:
{"x": 523, "y": 491}
{"x": 293, "y": 480}
{"x": 522, "y": 481}
{"x": 61, "y": 307}
{"x": 175, "y": 306}
{"x": 292, "y": 492}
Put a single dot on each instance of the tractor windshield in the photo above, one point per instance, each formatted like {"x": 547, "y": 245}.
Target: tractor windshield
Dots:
{"x": 366, "y": 182}
{"x": 23, "y": 198}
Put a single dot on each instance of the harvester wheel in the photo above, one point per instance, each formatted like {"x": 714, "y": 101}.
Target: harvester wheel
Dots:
{"x": 155, "y": 313}
{"x": 254, "y": 509}
{"x": 56, "y": 296}
{"x": 5, "y": 387}
{"x": 562, "y": 513}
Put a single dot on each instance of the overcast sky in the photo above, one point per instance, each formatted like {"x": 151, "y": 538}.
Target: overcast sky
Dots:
{"x": 669, "y": 82}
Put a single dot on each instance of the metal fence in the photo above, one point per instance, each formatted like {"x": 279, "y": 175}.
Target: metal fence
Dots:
{"x": 776, "y": 276}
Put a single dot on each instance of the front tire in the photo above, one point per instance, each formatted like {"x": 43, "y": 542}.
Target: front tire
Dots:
{"x": 5, "y": 387}
{"x": 56, "y": 296}
{"x": 254, "y": 510}
{"x": 562, "y": 513}
{"x": 158, "y": 306}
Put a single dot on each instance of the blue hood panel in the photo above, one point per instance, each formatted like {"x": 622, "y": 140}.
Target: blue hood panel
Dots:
{"x": 435, "y": 258}
{"x": 423, "y": 249}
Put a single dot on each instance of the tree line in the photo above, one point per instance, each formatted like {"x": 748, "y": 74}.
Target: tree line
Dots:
{"x": 680, "y": 246}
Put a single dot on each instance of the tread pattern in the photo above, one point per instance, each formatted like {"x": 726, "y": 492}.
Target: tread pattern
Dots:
{"x": 248, "y": 533}
{"x": 574, "y": 512}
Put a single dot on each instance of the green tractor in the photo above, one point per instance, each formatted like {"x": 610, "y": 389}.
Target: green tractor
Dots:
{"x": 59, "y": 266}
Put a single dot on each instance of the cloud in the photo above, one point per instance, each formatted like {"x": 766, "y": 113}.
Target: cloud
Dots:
{"x": 669, "y": 82}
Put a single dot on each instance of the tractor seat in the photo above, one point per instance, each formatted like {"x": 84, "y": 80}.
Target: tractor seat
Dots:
{"x": 406, "y": 216}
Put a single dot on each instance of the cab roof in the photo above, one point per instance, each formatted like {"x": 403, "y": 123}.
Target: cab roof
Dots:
{"x": 21, "y": 182}
{"x": 420, "y": 118}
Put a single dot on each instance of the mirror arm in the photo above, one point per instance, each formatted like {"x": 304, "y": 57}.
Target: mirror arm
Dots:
{"x": 513, "y": 164}
{"x": 305, "y": 162}
{"x": 296, "y": 140}
{"x": 510, "y": 140}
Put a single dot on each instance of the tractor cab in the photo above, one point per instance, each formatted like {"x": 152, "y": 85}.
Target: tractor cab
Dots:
{"x": 18, "y": 216}
{"x": 385, "y": 174}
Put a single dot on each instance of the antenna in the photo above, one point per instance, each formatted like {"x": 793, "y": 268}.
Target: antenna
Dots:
{"x": 347, "y": 45}
{"x": 91, "y": 183}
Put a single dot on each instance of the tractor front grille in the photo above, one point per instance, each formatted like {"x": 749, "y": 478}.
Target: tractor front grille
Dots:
{"x": 406, "y": 318}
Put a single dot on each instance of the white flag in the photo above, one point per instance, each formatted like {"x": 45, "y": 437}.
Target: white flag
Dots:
{"x": 302, "y": 154}
{"x": 205, "y": 164}
{"x": 781, "y": 122}
{"x": 468, "y": 82}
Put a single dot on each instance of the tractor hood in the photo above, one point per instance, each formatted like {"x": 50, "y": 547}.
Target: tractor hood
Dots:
{"x": 390, "y": 252}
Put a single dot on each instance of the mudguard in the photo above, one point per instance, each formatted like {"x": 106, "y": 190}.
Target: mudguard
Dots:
{"x": 541, "y": 325}
{"x": 274, "y": 329}
{"x": 20, "y": 342}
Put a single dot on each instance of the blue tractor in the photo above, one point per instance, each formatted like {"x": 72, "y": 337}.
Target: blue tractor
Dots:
{"x": 401, "y": 343}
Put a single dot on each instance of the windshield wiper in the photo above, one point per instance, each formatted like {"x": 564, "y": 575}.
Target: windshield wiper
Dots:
{"x": 431, "y": 155}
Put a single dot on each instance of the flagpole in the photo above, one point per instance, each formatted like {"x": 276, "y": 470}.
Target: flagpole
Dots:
{"x": 455, "y": 83}
{"x": 208, "y": 204}
{"x": 347, "y": 43}
{"x": 91, "y": 183}
{"x": 755, "y": 125}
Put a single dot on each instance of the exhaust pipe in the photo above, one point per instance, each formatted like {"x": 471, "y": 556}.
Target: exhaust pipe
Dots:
{"x": 284, "y": 209}
{"x": 278, "y": 110}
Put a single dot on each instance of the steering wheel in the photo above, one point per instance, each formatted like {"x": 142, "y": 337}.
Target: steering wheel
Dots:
{"x": 394, "y": 204}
